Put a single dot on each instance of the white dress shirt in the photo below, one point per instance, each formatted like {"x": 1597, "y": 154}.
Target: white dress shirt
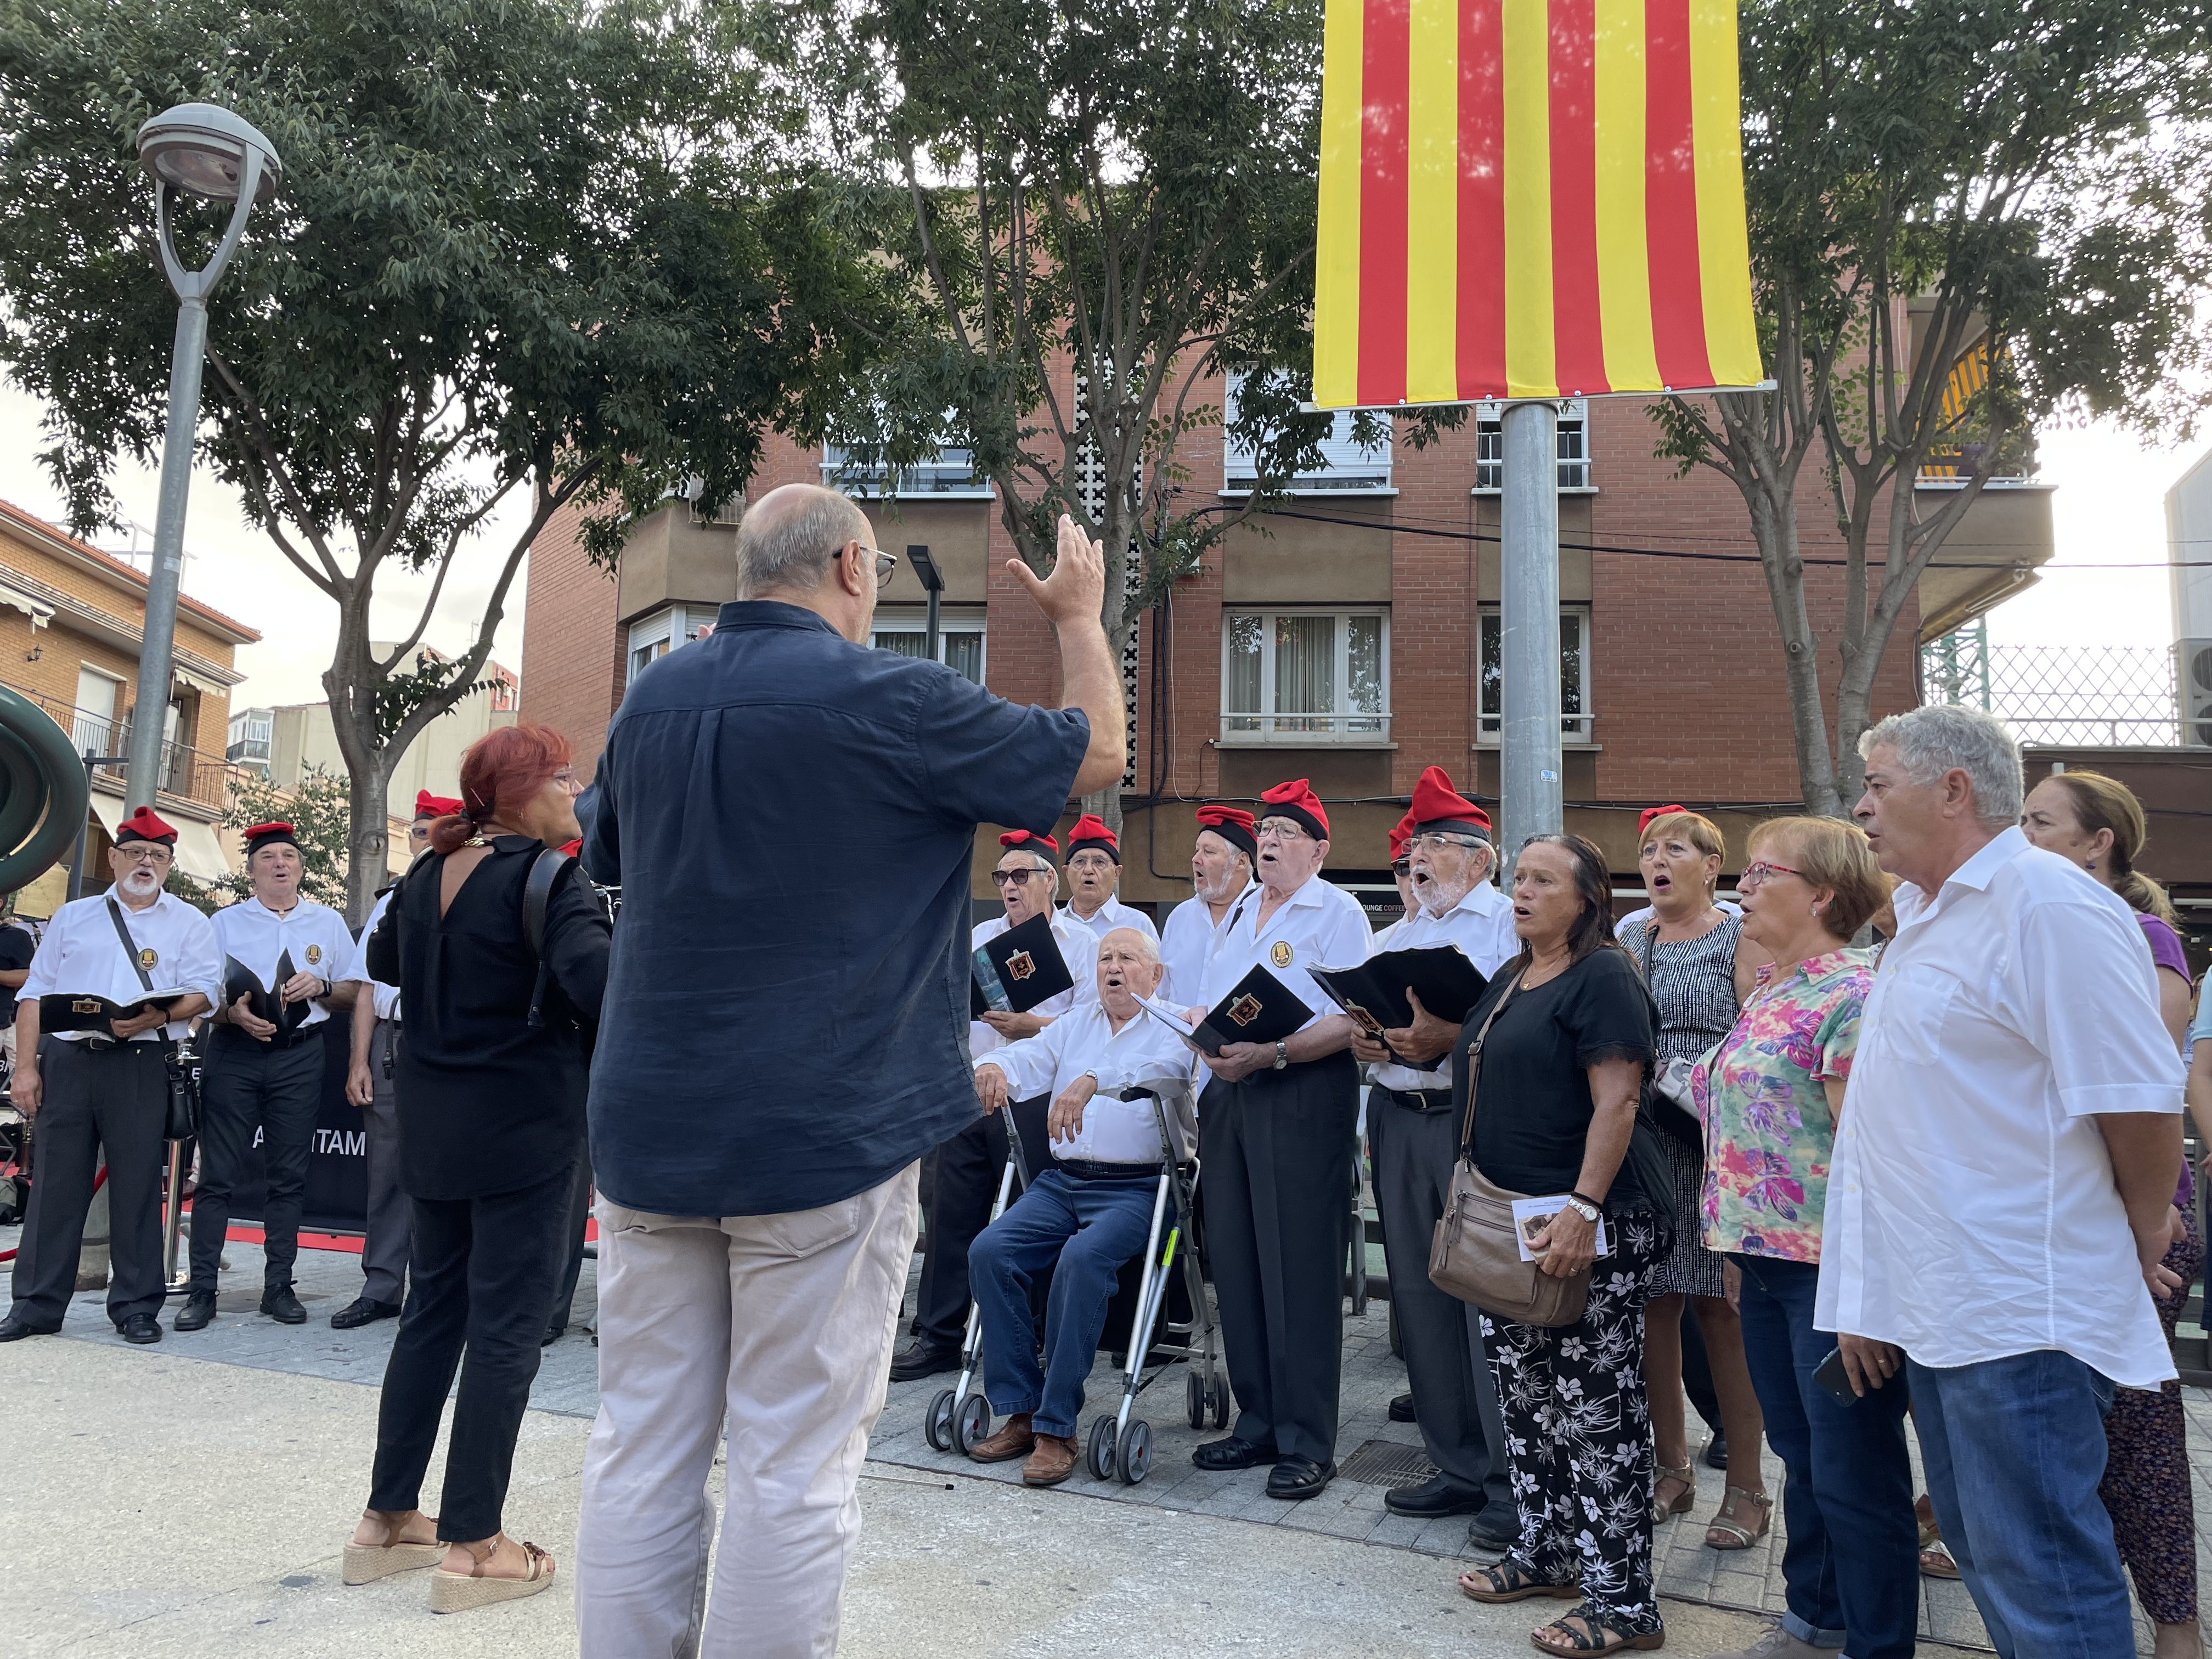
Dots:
{"x": 1320, "y": 926}
{"x": 385, "y": 997}
{"x": 1971, "y": 1214}
{"x": 80, "y": 955}
{"x": 316, "y": 936}
{"x": 1111, "y": 915}
{"x": 1079, "y": 948}
{"x": 1187, "y": 947}
{"x": 1143, "y": 1054}
{"x": 1481, "y": 925}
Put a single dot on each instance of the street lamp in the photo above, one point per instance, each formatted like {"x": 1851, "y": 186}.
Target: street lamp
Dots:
{"x": 933, "y": 583}
{"x": 209, "y": 152}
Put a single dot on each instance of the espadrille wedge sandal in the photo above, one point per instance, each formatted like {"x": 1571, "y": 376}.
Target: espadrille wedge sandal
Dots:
{"x": 458, "y": 1592}
{"x": 364, "y": 1564}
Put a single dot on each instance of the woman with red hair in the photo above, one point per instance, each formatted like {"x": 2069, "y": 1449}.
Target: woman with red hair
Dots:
{"x": 491, "y": 1089}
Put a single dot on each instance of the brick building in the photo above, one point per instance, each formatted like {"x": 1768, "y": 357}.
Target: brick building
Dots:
{"x": 1346, "y": 638}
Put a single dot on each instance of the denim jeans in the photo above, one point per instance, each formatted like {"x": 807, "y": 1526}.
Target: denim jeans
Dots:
{"x": 2015, "y": 1449}
{"x": 1851, "y": 1562}
{"x": 1090, "y": 1227}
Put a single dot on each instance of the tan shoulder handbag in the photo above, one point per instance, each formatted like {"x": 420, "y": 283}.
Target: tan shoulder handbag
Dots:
{"x": 1474, "y": 1254}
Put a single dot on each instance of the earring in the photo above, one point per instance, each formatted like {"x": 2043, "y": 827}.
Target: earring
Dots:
{"x": 2092, "y": 867}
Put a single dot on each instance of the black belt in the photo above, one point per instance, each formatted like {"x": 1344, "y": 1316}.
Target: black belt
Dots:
{"x": 102, "y": 1045}
{"x": 1418, "y": 1100}
{"x": 1084, "y": 1168}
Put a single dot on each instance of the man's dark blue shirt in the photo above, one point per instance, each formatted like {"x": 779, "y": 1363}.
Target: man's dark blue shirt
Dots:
{"x": 791, "y": 819}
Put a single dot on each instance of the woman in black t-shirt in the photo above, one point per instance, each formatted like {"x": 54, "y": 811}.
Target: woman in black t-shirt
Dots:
{"x": 1562, "y": 1072}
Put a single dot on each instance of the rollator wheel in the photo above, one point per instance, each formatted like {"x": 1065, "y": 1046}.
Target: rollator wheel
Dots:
{"x": 938, "y": 1425}
{"x": 1102, "y": 1449}
{"x": 1217, "y": 1389}
{"x": 971, "y": 1422}
{"x": 1136, "y": 1454}
{"x": 1194, "y": 1387}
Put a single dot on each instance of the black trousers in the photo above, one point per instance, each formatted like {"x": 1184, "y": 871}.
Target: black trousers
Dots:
{"x": 250, "y": 1087}
{"x": 481, "y": 1275}
{"x": 113, "y": 1099}
{"x": 384, "y": 1250}
{"x": 965, "y": 1184}
{"x": 1455, "y": 1396}
{"x": 1277, "y": 1153}
{"x": 580, "y": 1215}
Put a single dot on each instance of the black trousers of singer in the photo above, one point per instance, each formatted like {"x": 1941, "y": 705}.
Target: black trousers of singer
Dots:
{"x": 572, "y": 1266}
{"x": 482, "y": 1274}
{"x": 965, "y": 1185}
{"x": 1277, "y": 1150}
{"x": 114, "y": 1098}
{"x": 251, "y": 1086}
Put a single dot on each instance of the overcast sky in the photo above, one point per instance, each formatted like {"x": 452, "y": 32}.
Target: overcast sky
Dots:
{"x": 2108, "y": 510}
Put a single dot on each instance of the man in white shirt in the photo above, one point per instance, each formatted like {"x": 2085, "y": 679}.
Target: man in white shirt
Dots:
{"x": 2004, "y": 1170}
{"x": 1414, "y": 1136}
{"x": 1221, "y": 862}
{"x": 1094, "y": 872}
{"x": 968, "y": 1166}
{"x": 1088, "y": 1213}
{"x": 89, "y": 1092}
{"x": 1277, "y": 1125}
{"x": 263, "y": 1077}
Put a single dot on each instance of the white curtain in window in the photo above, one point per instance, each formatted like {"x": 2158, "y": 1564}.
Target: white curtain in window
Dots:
{"x": 904, "y": 642}
{"x": 1242, "y": 696}
{"x": 963, "y": 654}
{"x": 1363, "y": 669}
{"x": 1305, "y": 670}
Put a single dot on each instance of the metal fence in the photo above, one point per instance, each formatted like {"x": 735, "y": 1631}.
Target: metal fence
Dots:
{"x": 2099, "y": 695}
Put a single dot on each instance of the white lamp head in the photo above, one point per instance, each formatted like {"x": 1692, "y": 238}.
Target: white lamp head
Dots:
{"x": 204, "y": 149}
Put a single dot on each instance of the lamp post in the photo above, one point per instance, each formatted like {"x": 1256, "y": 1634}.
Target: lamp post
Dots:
{"x": 209, "y": 152}
{"x": 1529, "y": 761}
{"x": 933, "y": 582}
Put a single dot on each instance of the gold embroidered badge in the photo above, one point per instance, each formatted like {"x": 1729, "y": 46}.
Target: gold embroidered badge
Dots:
{"x": 1020, "y": 966}
{"x": 1280, "y": 956}
{"x": 149, "y": 956}
{"x": 1244, "y": 1010}
{"x": 314, "y": 955}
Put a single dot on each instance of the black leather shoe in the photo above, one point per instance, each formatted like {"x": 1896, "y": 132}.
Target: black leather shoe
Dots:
{"x": 15, "y": 1328}
{"x": 1299, "y": 1477}
{"x": 196, "y": 1314}
{"x": 1432, "y": 1498}
{"x": 1233, "y": 1454}
{"x": 1493, "y": 1534}
{"x": 363, "y": 1311}
{"x": 553, "y": 1333}
{"x": 1402, "y": 1408}
{"x": 140, "y": 1329}
{"x": 1716, "y": 1452}
{"x": 280, "y": 1305}
{"x": 921, "y": 1358}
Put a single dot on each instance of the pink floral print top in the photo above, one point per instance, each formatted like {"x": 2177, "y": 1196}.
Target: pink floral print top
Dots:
{"x": 1769, "y": 1134}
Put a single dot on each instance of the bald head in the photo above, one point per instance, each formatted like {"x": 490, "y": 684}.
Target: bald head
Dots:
{"x": 1128, "y": 967}
{"x": 791, "y": 537}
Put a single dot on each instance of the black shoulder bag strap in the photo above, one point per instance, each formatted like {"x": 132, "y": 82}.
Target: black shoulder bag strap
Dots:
{"x": 1474, "y": 1069}
{"x": 184, "y": 1117}
{"x": 129, "y": 945}
{"x": 536, "y": 894}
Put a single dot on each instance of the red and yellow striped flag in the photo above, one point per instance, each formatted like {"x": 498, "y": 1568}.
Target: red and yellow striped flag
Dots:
{"x": 1529, "y": 199}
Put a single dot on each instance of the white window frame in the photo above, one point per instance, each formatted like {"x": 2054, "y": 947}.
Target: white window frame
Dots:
{"x": 964, "y": 620}
{"x": 674, "y": 627}
{"x": 1346, "y": 469}
{"x": 951, "y": 476}
{"x": 1489, "y": 720}
{"x": 1346, "y": 728}
{"x": 1574, "y": 448}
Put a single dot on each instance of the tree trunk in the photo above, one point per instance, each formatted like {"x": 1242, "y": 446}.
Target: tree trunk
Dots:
{"x": 1106, "y": 803}
{"x": 367, "y": 843}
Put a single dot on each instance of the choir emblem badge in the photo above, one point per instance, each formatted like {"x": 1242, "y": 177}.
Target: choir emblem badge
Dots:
{"x": 314, "y": 955}
{"x": 1280, "y": 956}
{"x": 1020, "y": 965}
{"x": 85, "y": 1005}
{"x": 149, "y": 956}
{"x": 1244, "y": 1010}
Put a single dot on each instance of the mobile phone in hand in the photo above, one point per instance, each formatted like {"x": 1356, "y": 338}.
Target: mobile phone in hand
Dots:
{"x": 1835, "y": 1379}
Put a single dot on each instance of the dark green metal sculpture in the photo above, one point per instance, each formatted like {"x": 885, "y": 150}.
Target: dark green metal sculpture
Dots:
{"x": 44, "y": 792}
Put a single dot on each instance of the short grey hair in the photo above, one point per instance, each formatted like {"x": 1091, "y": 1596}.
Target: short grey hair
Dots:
{"x": 1941, "y": 737}
{"x": 1148, "y": 947}
{"x": 789, "y": 544}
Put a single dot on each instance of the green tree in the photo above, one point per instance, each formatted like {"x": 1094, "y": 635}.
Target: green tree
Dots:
{"x": 319, "y": 813}
{"x": 536, "y": 250}
{"x": 1094, "y": 211}
{"x": 2023, "y": 187}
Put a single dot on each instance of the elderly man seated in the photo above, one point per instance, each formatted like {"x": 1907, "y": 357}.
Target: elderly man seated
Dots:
{"x": 1090, "y": 1212}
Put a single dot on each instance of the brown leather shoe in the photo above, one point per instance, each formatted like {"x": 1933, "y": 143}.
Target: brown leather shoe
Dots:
{"x": 1012, "y": 1442}
{"x": 1052, "y": 1460}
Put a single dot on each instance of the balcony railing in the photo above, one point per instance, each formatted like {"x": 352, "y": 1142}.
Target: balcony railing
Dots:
{"x": 186, "y": 772}
{"x": 2091, "y": 696}
{"x": 1295, "y": 729}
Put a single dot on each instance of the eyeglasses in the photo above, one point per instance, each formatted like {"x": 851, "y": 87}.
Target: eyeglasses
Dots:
{"x": 145, "y": 854}
{"x": 1013, "y": 878}
{"x": 566, "y": 778}
{"x": 885, "y": 563}
{"x": 1401, "y": 866}
{"x": 1755, "y": 875}
{"x": 1280, "y": 830}
{"x": 1432, "y": 839}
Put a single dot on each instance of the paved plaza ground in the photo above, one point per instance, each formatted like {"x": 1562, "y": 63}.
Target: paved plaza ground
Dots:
{"x": 191, "y": 1498}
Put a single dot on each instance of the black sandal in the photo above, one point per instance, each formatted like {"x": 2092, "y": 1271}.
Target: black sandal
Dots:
{"x": 1603, "y": 1634}
{"x": 1509, "y": 1581}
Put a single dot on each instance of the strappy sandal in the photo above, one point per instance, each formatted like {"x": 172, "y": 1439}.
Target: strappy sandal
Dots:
{"x": 1722, "y": 1534}
{"x": 1509, "y": 1581}
{"x": 458, "y": 1592}
{"x": 364, "y": 1564}
{"x": 1667, "y": 1507}
{"x": 1935, "y": 1560}
{"x": 1603, "y": 1634}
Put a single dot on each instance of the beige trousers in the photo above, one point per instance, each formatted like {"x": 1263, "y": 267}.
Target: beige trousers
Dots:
{"x": 782, "y": 1323}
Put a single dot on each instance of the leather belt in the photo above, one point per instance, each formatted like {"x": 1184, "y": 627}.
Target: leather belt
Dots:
{"x": 101, "y": 1045}
{"x": 1419, "y": 1100}
{"x": 1084, "y": 1168}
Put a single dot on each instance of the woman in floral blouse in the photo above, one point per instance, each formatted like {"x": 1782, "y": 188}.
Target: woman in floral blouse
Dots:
{"x": 1770, "y": 1095}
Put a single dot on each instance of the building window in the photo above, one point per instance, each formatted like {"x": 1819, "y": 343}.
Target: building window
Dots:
{"x": 93, "y": 729}
{"x": 1347, "y": 467}
{"x": 959, "y": 639}
{"x": 949, "y": 471}
{"x": 1305, "y": 677}
{"x": 1575, "y": 714}
{"x": 252, "y": 730}
{"x": 1490, "y": 447}
{"x": 652, "y": 638}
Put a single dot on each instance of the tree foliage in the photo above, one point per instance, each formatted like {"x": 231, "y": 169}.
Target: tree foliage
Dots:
{"x": 319, "y": 812}
{"x": 2023, "y": 184}
{"x": 536, "y": 250}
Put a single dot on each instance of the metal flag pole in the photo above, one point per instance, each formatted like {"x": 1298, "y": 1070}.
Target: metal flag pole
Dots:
{"x": 1531, "y": 799}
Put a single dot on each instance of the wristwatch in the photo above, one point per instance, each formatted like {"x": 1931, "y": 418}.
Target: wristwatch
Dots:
{"x": 1282, "y": 1055}
{"x": 1582, "y": 1206}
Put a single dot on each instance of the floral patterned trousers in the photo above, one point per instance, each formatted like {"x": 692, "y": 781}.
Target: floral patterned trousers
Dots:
{"x": 2146, "y": 1487}
{"x": 1578, "y": 1436}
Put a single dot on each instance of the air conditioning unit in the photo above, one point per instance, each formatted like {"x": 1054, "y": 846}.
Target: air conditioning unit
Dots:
{"x": 2192, "y": 662}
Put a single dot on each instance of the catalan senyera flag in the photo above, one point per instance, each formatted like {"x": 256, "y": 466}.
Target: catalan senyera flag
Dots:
{"x": 1529, "y": 199}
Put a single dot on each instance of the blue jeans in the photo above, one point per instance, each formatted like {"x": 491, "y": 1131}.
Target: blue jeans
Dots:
{"x": 1850, "y": 1564}
{"x": 2015, "y": 1449}
{"x": 1090, "y": 1228}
